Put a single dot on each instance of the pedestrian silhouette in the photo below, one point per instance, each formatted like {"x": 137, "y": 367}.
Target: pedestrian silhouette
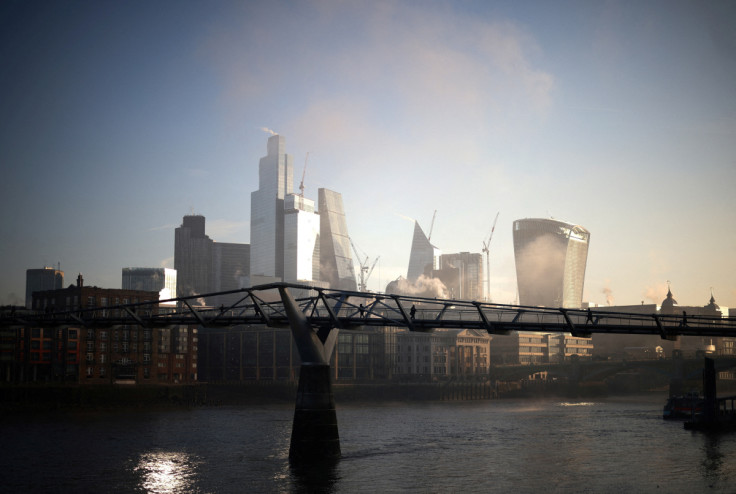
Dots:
{"x": 361, "y": 309}
{"x": 413, "y": 312}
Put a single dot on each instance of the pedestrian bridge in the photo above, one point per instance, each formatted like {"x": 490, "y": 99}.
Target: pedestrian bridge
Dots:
{"x": 312, "y": 314}
{"x": 326, "y": 309}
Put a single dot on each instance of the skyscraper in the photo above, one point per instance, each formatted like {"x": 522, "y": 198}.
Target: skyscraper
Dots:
{"x": 301, "y": 239}
{"x": 550, "y": 262}
{"x": 275, "y": 182}
{"x": 470, "y": 274}
{"x": 424, "y": 256}
{"x": 38, "y": 280}
{"x": 192, "y": 257}
{"x": 205, "y": 266}
{"x": 336, "y": 263}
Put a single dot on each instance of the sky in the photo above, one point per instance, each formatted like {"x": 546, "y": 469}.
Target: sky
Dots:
{"x": 119, "y": 118}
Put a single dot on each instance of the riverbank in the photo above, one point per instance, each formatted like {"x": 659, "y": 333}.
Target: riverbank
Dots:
{"x": 54, "y": 397}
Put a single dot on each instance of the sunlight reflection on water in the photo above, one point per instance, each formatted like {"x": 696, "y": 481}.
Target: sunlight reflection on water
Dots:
{"x": 167, "y": 471}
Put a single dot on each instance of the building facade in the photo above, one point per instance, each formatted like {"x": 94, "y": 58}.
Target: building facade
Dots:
{"x": 162, "y": 280}
{"x": 525, "y": 347}
{"x": 336, "y": 262}
{"x": 551, "y": 257}
{"x": 301, "y": 240}
{"x": 469, "y": 268}
{"x": 38, "y": 280}
{"x": 192, "y": 257}
{"x": 424, "y": 257}
{"x": 275, "y": 182}
{"x": 205, "y": 266}
{"x": 100, "y": 355}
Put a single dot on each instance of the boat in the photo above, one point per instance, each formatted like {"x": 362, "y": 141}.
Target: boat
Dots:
{"x": 683, "y": 407}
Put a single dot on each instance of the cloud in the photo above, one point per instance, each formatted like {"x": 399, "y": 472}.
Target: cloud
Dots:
{"x": 404, "y": 84}
{"x": 657, "y": 293}
{"x": 422, "y": 287}
{"x": 162, "y": 227}
{"x": 608, "y": 292}
{"x": 167, "y": 263}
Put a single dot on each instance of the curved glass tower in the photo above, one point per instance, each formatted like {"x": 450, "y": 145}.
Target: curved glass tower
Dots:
{"x": 550, "y": 262}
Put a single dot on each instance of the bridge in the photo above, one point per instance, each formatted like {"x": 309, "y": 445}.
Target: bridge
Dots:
{"x": 313, "y": 313}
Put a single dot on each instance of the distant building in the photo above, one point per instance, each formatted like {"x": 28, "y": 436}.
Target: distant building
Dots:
{"x": 93, "y": 355}
{"x": 442, "y": 354}
{"x": 617, "y": 346}
{"x": 192, "y": 257}
{"x": 162, "y": 280}
{"x": 336, "y": 263}
{"x": 551, "y": 257}
{"x": 301, "y": 239}
{"x": 275, "y": 182}
{"x": 525, "y": 347}
{"x": 42, "y": 279}
{"x": 424, "y": 257}
{"x": 469, "y": 268}
{"x": 205, "y": 266}
{"x": 230, "y": 268}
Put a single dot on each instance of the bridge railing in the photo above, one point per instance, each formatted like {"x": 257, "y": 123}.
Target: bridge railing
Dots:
{"x": 349, "y": 310}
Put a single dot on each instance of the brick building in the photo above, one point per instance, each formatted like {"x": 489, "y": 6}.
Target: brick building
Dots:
{"x": 90, "y": 355}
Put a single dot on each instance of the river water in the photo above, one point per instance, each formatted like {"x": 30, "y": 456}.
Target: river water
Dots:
{"x": 611, "y": 445}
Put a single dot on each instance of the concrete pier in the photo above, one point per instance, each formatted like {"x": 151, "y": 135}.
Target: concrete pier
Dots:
{"x": 314, "y": 434}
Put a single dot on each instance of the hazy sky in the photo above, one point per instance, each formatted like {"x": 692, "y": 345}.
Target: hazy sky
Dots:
{"x": 118, "y": 118}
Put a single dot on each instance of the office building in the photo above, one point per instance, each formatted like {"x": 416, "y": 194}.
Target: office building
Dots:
{"x": 230, "y": 269}
{"x": 192, "y": 257}
{"x": 301, "y": 239}
{"x": 205, "y": 266}
{"x": 551, "y": 256}
{"x": 161, "y": 280}
{"x": 469, "y": 275}
{"x": 42, "y": 279}
{"x": 424, "y": 257}
{"x": 336, "y": 263}
{"x": 275, "y": 182}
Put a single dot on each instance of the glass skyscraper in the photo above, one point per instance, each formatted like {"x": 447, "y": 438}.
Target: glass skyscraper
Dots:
{"x": 336, "y": 263}
{"x": 301, "y": 239}
{"x": 550, "y": 262}
{"x": 424, "y": 256}
{"x": 275, "y": 182}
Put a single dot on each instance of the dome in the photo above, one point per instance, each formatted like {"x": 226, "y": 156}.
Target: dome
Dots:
{"x": 713, "y": 306}
{"x": 669, "y": 302}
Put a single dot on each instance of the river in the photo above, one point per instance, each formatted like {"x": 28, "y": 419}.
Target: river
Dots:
{"x": 551, "y": 445}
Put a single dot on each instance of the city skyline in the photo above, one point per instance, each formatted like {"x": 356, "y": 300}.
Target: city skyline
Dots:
{"x": 619, "y": 117}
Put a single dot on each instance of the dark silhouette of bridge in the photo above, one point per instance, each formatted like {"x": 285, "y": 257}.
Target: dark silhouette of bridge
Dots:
{"x": 327, "y": 309}
{"x": 313, "y": 313}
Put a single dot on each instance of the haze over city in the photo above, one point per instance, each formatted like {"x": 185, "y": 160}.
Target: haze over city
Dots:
{"x": 120, "y": 118}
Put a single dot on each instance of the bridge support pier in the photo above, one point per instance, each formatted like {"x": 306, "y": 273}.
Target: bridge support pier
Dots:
{"x": 314, "y": 434}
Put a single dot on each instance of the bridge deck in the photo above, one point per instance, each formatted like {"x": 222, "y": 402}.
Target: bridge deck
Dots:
{"x": 326, "y": 309}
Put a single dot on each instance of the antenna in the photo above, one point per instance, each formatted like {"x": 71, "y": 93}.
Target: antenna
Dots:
{"x": 431, "y": 226}
{"x": 487, "y": 252}
{"x": 304, "y": 172}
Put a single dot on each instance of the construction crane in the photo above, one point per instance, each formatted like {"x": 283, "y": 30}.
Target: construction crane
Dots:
{"x": 365, "y": 272}
{"x": 487, "y": 252}
{"x": 304, "y": 172}
{"x": 431, "y": 226}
